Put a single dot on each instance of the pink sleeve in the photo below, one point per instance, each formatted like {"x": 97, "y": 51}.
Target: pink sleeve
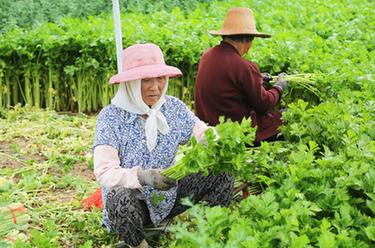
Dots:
{"x": 199, "y": 128}
{"x": 108, "y": 172}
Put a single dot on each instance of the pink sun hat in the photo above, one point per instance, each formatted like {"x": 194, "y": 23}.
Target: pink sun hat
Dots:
{"x": 143, "y": 61}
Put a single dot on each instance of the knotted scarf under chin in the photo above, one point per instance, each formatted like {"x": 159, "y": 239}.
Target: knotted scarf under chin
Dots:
{"x": 129, "y": 98}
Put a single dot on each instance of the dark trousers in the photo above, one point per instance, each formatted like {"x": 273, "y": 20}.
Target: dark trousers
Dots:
{"x": 128, "y": 214}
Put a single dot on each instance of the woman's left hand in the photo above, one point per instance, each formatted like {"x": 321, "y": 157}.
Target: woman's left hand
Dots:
{"x": 153, "y": 178}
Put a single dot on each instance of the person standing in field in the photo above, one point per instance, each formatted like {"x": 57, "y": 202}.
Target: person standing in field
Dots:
{"x": 229, "y": 85}
{"x": 136, "y": 137}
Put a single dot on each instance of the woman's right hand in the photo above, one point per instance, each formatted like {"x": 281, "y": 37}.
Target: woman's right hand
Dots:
{"x": 281, "y": 83}
{"x": 153, "y": 178}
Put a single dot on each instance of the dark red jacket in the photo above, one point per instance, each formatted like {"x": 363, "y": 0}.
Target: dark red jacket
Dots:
{"x": 231, "y": 86}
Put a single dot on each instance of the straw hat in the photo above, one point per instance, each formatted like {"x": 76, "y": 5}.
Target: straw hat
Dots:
{"x": 239, "y": 21}
{"x": 143, "y": 61}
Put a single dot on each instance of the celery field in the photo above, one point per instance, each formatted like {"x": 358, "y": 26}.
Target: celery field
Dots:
{"x": 317, "y": 186}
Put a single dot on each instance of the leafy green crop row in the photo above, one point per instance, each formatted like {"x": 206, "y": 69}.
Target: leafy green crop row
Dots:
{"x": 32, "y": 13}
{"x": 320, "y": 185}
{"x": 66, "y": 66}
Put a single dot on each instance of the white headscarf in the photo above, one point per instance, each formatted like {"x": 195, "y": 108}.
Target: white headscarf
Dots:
{"x": 129, "y": 98}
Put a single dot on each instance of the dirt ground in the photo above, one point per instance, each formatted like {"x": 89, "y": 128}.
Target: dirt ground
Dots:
{"x": 13, "y": 159}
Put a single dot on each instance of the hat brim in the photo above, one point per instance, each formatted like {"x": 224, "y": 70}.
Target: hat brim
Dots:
{"x": 147, "y": 71}
{"x": 221, "y": 32}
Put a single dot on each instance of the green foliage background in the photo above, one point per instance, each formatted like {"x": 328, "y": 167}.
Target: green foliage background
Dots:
{"x": 32, "y": 13}
{"x": 66, "y": 65}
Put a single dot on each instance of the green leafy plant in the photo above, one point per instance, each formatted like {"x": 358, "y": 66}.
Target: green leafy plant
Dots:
{"x": 223, "y": 150}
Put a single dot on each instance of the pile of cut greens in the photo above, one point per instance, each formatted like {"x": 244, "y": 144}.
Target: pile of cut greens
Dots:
{"x": 224, "y": 150}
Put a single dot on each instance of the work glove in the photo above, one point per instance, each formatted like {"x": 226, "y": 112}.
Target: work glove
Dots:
{"x": 266, "y": 77}
{"x": 281, "y": 83}
{"x": 153, "y": 178}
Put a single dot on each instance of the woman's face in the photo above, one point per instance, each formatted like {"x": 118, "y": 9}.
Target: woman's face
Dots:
{"x": 152, "y": 89}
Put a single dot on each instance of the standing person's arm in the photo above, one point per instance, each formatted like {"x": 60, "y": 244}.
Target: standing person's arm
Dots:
{"x": 260, "y": 99}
